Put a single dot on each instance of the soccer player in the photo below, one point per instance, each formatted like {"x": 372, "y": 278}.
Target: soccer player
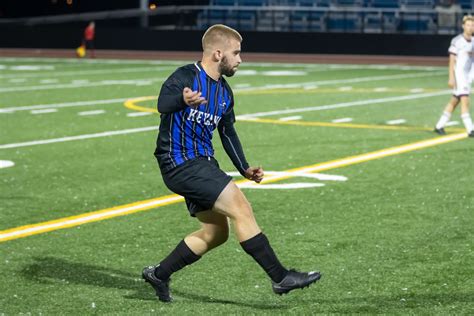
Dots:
{"x": 460, "y": 63}
{"x": 193, "y": 102}
{"x": 88, "y": 39}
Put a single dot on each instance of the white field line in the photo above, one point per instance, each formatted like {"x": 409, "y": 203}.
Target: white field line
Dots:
{"x": 80, "y": 81}
{"x": 347, "y": 88}
{"x": 343, "y": 120}
{"x": 81, "y": 85}
{"x": 44, "y": 81}
{"x": 307, "y": 84}
{"x": 276, "y": 86}
{"x": 16, "y": 80}
{"x": 396, "y": 122}
{"x": 344, "y": 104}
{"x": 291, "y": 118}
{"x": 42, "y": 111}
{"x": 242, "y": 117}
{"x": 6, "y": 164}
{"x": 28, "y": 230}
{"x": 339, "y": 81}
{"x": 75, "y": 73}
{"x": 112, "y": 61}
{"x": 80, "y": 137}
{"x": 80, "y": 62}
{"x": 61, "y": 105}
{"x": 371, "y": 156}
{"x": 94, "y": 112}
{"x": 286, "y": 186}
{"x": 136, "y": 114}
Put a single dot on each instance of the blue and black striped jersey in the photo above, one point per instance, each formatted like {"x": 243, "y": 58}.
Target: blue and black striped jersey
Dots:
{"x": 186, "y": 132}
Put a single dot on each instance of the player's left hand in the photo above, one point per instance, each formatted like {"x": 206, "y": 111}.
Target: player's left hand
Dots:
{"x": 254, "y": 173}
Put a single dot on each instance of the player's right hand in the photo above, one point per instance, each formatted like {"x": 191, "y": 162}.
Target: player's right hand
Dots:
{"x": 451, "y": 83}
{"x": 193, "y": 98}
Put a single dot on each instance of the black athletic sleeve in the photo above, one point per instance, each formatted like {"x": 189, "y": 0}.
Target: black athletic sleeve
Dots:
{"x": 230, "y": 141}
{"x": 171, "y": 94}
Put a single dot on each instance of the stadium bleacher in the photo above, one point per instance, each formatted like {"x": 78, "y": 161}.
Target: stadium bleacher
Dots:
{"x": 373, "y": 16}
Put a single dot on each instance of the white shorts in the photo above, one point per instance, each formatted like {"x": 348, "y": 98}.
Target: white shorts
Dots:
{"x": 462, "y": 86}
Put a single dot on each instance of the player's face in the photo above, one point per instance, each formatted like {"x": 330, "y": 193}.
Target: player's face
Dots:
{"x": 231, "y": 59}
{"x": 468, "y": 27}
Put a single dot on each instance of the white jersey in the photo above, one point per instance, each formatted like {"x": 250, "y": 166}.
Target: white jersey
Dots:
{"x": 463, "y": 49}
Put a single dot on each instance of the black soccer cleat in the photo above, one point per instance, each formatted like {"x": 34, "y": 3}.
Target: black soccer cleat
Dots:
{"x": 295, "y": 280}
{"x": 471, "y": 134}
{"x": 162, "y": 288}
{"x": 439, "y": 131}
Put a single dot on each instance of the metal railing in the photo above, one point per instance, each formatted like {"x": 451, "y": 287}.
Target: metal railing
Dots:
{"x": 274, "y": 18}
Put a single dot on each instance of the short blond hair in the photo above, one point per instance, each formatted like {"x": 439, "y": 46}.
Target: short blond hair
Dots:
{"x": 467, "y": 18}
{"x": 219, "y": 33}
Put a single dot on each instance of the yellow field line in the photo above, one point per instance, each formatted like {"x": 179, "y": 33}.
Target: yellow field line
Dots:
{"x": 34, "y": 229}
{"x": 343, "y": 125}
{"x": 338, "y": 163}
{"x": 131, "y": 104}
{"x": 310, "y": 90}
{"x": 65, "y": 222}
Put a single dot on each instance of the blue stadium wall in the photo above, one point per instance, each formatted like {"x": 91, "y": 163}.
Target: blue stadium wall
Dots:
{"x": 274, "y": 42}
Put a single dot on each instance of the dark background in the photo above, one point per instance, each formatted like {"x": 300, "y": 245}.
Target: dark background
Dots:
{"x": 124, "y": 34}
{"x": 29, "y": 8}
{"x": 270, "y": 42}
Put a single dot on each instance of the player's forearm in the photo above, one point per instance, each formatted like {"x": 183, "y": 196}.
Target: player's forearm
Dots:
{"x": 233, "y": 147}
{"x": 452, "y": 63}
{"x": 170, "y": 103}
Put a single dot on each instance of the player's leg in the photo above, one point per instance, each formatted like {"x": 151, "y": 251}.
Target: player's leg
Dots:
{"x": 466, "y": 116}
{"x": 214, "y": 232}
{"x": 92, "y": 49}
{"x": 233, "y": 204}
{"x": 446, "y": 116}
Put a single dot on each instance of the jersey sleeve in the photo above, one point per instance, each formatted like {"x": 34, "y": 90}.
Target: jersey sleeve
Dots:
{"x": 230, "y": 140}
{"x": 171, "y": 94}
{"x": 453, "y": 49}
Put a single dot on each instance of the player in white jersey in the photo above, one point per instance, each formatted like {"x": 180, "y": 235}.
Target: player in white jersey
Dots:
{"x": 461, "y": 55}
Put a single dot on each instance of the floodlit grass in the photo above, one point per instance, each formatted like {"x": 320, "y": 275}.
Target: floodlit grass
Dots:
{"x": 395, "y": 238}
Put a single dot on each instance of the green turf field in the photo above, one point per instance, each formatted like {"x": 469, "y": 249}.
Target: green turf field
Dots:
{"x": 391, "y": 233}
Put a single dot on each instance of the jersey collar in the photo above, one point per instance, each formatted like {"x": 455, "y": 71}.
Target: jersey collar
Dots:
{"x": 199, "y": 67}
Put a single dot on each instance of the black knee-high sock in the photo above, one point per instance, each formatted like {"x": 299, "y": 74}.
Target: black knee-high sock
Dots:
{"x": 259, "y": 248}
{"x": 180, "y": 257}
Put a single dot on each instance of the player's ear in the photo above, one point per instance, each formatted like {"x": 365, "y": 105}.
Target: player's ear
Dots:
{"x": 218, "y": 55}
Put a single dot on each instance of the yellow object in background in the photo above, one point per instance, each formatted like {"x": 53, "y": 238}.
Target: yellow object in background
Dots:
{"x": 81, "y": 51}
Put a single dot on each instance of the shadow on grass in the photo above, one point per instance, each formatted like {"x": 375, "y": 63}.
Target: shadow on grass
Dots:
{"x": 51, "y": 270}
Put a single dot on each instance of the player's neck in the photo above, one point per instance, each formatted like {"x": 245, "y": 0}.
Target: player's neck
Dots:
{"x": 211, "y": 69}
{"x": 467, "y": 36}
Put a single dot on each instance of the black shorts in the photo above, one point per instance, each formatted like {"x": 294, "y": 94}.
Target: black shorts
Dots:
{"x": 199, "y": 180}
{"x": 89, "y": 44}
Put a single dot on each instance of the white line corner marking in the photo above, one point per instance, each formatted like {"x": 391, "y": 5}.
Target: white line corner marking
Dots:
{"x": 298, "y": 185}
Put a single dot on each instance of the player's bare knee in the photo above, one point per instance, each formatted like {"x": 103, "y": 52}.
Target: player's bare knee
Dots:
{"x": 243, "y": 212}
